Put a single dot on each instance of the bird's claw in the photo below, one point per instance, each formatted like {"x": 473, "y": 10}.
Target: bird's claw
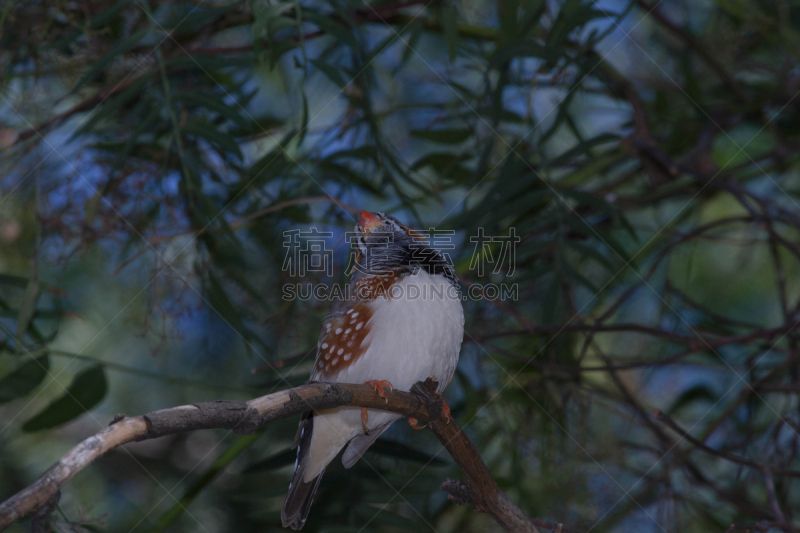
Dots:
{"x": 379, "y": 385}
{"x": 413, "y": 423}
{"x": 445, "y": 409}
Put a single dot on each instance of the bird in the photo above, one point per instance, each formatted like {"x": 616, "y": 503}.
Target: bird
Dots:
{"x": 400, "y": 322}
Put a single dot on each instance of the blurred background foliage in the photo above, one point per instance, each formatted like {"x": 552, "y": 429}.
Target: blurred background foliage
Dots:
{"x": 643, "y": 377}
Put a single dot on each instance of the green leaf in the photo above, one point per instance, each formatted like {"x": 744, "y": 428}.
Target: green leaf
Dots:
{"x": 333, "y": 28}
{"x": 217, "y": 467}
{"x": 17, "y": 282}
{"x": 507, "y": 16}
{"x": 106, "y": 16}
{"x": 219, "y": 301}
{"x": 451, "y": 136}
{"x": 696, "y": 394}
{"x": 109, "y": 109}
{"x": 24, "y": 379}
{"x": 27, "y": 308}
{"x": 529, "y": 48}
{"x": 210, "y": 133}
{"x": 87, "y": 390}
{"x": 273, "y": 462}
{"x": 214, "y": 103}
{"x": 117, "y": 50}
{"x": 448, "y": 16}
{"x": 195, "y": 19}
{"x": 398, "y": 450}
{"x": 330, "y": 72}
{"x": 443, "y": 162}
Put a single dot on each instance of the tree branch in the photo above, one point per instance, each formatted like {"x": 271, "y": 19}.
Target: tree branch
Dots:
{"x": 245, "y": 417}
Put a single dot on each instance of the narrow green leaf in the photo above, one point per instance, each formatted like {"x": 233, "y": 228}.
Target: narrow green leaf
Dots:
{"x": 507, "y": 11}
{"x": 214, "y": 103}
{"x": 450, "y": 136}
{"x": 273, "y": 462}
{"x": 118, "y": 49}
{"x": 448, "y": 15}
{"x": 333, "y": 28}
{"x": 106, "y": 16}
{"x": 694, "y": 395}
{"x": 210, "y": 133}
{"x": 398, "y": 450}
{"x": 220, "y": 302}
{"x": 113, "y": 104}
{"x": 217, "y": 467}
{"x": 87, "y": 390}
{"x": 529, "y": 48}
{"x": 330, "y": 72}
{"x": 27, "y": 308}
{"x": 17, "y": 282}
{"x": 24, "y": 379}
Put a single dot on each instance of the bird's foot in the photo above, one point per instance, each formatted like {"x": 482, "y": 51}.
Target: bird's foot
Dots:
{"x": 413, "y": 423}
{"x": 380, "y": 385}
{"x": 445, "y": 408}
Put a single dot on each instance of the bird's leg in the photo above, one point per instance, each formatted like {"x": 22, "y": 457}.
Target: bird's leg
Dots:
{"x": 364, "y": 416}
{"x": 379, "y": 385}
{"x": 445, "y": 408}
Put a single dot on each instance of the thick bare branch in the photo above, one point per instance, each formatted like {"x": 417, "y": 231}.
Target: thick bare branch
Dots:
{"x": 246, "y": 417}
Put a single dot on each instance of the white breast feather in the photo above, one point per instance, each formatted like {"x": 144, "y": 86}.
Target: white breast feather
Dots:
{"x": 413, "y": 335}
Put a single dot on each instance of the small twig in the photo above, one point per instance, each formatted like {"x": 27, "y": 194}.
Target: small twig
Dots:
{"x": 669, "y": 422}
{"x": 769, "y": 482}
{"x": 459, "y": 493}
{"x": 702, "y": 51}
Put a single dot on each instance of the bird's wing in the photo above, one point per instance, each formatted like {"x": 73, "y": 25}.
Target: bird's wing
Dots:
{"x": 360, "y": 444}
{"x": 342, "y": 341}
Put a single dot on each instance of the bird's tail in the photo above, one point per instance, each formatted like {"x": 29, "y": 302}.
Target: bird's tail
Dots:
{"x": 301, "y": 493}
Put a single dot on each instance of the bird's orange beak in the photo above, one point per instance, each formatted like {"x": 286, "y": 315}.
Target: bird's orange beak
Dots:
{"x": 368, "y": 220}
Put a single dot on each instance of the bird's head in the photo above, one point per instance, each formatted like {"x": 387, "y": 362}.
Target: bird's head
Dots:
{"x": 385, "y": 245}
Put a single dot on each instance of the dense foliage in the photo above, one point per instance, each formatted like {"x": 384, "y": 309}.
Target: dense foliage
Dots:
{"x": 642, "y": 372}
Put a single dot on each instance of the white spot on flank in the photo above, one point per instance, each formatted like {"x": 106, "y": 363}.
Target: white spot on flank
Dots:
{"x": 335, "y": 361}
{"x": 324, "y": 345}
{"x": 348, "y": 330}
{"x": 355, "y": 315}
{"x": 340, "y": 351}
{"x": 338, "y": 330}
{"x": 328, "y": 325}
{"x": 327, "y": 356}
{"x": 349, "y": 311}
{"x": 333, "y": 348}
{"x": 358, "y": 327}
{"x": 347, "y": 357}
{"x": 350, "y": 343}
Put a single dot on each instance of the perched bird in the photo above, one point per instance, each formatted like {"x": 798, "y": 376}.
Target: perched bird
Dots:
{"x": 401, "y": 322}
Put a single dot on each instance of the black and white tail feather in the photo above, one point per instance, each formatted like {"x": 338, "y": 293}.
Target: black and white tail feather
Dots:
{"x": 301, "y": 494}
